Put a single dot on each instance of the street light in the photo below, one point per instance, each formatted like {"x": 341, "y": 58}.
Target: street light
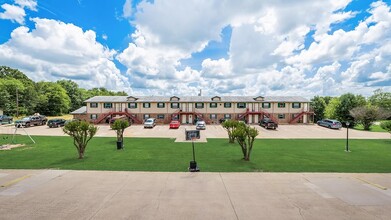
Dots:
{"x": 347, "y": 136}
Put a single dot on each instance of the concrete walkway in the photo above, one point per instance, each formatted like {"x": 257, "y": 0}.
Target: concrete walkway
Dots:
{"x": 58, "y": 194}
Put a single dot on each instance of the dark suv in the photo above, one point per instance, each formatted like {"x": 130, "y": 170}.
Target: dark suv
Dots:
{"x": 56, "y": 122}
{"x": 268, "y": 124}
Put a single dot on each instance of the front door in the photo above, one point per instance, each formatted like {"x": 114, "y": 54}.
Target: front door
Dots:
{"x": 183, "y": 119}
{"x": 191, "y": 119}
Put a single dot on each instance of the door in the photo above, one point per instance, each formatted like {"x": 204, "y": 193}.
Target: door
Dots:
{"x": 191, "y": 119}
{"x": 183, "y": 119}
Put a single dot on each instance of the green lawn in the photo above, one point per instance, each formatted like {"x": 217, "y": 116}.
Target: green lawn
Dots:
{"x": 374, "y": 128}
{"x": 157, "y": 154}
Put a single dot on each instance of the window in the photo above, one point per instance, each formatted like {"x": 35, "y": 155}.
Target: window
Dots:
{"x": 266, "y": 105}
{"x": 146, "y": 105}
{"x": 281, "y": 105}
{"x": 213, "y": 116}
{"x": 132, "y": 105}
{"x": 241, "y": 105}
{"x": 213, "y": 105}
{"x": 161, "y": 105}
{"x": 94, "y": 105}
{"x": 160, "y": 116}
{"x": 107, "y": 105}
{"x": 281, "y": 116}
{"x": 296, "y": 105}
{"x": 94, "y": 116}
{"x": 175, "y": 105}
{"x": 146, "y": 116}
{"x": 227, "y": 105}
{"x": 227, "y": 116}
{"x": 199, "y": 105}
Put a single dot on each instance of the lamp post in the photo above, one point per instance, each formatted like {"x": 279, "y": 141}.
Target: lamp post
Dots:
{"x": 347, "y": 136}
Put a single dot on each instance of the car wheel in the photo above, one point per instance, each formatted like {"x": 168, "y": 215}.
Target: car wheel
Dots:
{"x": 329, "y": 126}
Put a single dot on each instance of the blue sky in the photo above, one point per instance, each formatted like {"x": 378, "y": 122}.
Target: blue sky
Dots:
{"x": 175, "y": 47}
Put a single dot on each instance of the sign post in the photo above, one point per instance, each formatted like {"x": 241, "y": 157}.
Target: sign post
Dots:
{"x": 191, "y": 135}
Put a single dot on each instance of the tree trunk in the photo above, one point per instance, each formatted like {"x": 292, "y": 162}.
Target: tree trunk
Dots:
{"x": 81, "y": 152}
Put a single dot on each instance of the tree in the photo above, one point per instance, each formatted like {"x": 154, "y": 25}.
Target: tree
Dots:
{"x": 53, "y": 99}
{"x": 381, "y": 99}
{"x": 119, "y": 126}
{"x": 386, "y": 125}
{"x": 348, "y": 101}
{"x": 330, "y": 110}
{"x": 230, "y": 126}
{"x": 319, "y": 105}
{"x": 366, "y": 115}
{"x": 82, "y": 132}
{"x": 245, "y": 136}
{"x": 74, "y": 92}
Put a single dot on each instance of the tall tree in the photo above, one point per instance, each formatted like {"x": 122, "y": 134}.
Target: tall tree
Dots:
{"x": 53, "y": 99}
{"x": 74, "y": 92}
{"x": 348, "y": 101}
{"x": 381, "y": 99}
{"x": 331, "y": 108}
{"x": 319, "y": 105}
{"x": 81, "y": 132}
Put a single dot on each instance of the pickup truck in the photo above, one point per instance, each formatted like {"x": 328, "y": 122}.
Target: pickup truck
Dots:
{"x": 5, "y": 118}
{"x": 268, "y": 123}
{"x": 31, "y": 120}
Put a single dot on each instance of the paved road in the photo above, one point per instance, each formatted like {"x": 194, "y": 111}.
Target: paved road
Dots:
{"x": 62, "y": 194}
{"x": 212, "y": 131}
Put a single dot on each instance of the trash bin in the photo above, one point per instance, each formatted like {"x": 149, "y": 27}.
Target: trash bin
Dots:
{"x": 120, "y": 145}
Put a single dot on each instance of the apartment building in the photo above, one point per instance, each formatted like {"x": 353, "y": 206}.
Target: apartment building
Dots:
{"x": 188, "y": 109}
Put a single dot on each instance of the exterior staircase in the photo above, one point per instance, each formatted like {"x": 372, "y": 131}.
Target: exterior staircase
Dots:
{"x": 129, "y": 115}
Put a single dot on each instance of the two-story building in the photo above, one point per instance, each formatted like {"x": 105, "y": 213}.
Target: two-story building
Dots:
{"x": 187, "y": 109}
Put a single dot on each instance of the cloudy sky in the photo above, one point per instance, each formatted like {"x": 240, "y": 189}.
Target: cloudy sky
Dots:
{"x": 224, "y": 47}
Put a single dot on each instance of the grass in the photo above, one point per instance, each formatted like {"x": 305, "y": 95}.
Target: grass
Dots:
{"x": 374, "y": 128}
{"x": 157, "y": 154}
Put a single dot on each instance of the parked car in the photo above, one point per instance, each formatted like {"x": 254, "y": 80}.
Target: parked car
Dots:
{"x": 268, "y": 123}
{"x": 200, "y": 125}
{"x": 329, "y": 123}
{"x": 31, "y": 120}
{"x": 150, "y": 123}
{"x": 5, "y": 119}
{"x": 56, "y": 122}
{"x": 174, "y": 124}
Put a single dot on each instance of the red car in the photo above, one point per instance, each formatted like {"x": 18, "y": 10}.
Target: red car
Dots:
{"x": 175, "y": 124}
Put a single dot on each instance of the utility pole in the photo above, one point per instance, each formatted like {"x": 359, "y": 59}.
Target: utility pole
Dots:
{"x": 17, "y": 103}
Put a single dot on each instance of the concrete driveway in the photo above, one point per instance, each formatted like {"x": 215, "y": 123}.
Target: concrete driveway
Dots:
{"x": 212, "y": 131}
{"x": 63, "y": 194}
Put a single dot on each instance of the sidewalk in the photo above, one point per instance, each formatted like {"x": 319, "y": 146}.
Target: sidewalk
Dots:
{"x": 62, "y": 194}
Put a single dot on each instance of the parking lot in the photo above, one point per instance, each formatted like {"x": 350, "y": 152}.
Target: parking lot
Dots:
{"x": 212, "y": 131}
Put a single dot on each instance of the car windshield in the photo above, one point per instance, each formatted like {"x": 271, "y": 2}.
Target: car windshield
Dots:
{"x": 26, "y": 118}
{"x": 200, "y": 122}
{"x": 149, "y": 120}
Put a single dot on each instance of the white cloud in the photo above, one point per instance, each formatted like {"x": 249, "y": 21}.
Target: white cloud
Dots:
{"x": 30, "y": 4}
{"x": 13, "y": 13}
{"x": 54, "y": 50}
{"x": 127, "y": 9}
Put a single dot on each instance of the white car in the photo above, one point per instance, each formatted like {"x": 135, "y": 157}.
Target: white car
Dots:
{"x": 150, "y": 123}
{"x": 200, "y": 125}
